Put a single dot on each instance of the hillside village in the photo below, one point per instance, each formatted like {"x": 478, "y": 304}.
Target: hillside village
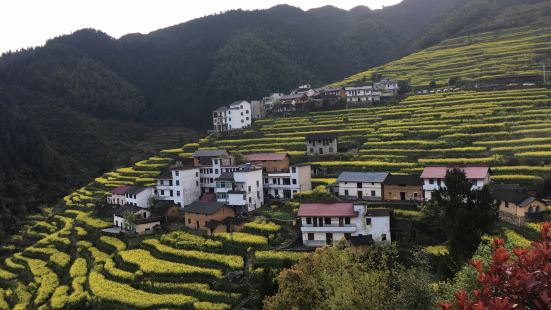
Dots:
{"x": 353, "y": 164}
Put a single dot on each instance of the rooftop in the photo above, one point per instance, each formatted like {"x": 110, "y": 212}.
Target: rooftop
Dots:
{"x": 439, "y": 172}
{"x": 225, "y": 176}
{"x": 397, "y": 179}
{"x": 137, "y": 189}
{"x": 122, "y": 210}
{"x": 200, "y": 207}
{"x": 377, "y": 212}
{"x": 321, "y": 136}
{"x": 518, "y": 195}
{"x": 121, "y": 190}
{"x": 374, "y": 177}
{"x": 327, "y": 209}
{"x": 266, "y": 156}
{"x": 210, "y": 153}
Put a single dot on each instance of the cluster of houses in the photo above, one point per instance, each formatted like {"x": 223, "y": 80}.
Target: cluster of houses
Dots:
{"x": 212, "y": 190}
{"x": 240, "y": 114}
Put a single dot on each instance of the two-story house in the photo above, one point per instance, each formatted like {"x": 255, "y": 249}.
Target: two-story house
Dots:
{"x": 362, "y": 94}
{"x": 270, "y": 162}
{"x": 321, "y": 144}
{"x": 202, "y": 215}
{"x": 139, "y": 196}
{"x": 403, "y": 188}
{"x": 117, "y": 195}
{"x": 361, "y": 185}
{"x": 135, "y": 220}
{"x": 241, "y": 189}
{"x": 324, "y": 223}
{"x": 433, "y": 177}
{"x": 179, "y": 184}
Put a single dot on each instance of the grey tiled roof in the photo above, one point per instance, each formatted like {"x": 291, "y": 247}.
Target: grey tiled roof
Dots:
{"x": 375, "y": 177}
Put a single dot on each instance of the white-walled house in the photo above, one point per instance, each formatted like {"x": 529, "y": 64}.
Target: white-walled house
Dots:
{"x": 241, "y": 188}
{"x": 117, "y": 196}
{"x": 139, "y": 196}
{"x": 258, "y": 110}
{"x": 270, "y": 100}
{"x": 219, "y": 121}
{"x": 180, "y": 185}
{"x": 239, "y": 115}
{"x": 286, "y": 184}
{"x": 362, "y": 94}
{"x": 324, "y": 223}
{"x": 142, "y": 223}
{"x": 361, "y": 185}
{"x": 433, "y": 177}
{"x": 387, "y": 86}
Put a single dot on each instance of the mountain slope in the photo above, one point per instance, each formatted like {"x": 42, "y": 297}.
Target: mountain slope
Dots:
{"x": 474, "y": 57}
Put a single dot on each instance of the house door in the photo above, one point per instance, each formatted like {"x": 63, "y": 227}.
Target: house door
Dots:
{"x": 287, "y": 193}
{"x": 197, "y": 225}
{"x": 360, "y": 194}
{"x": 321, "y": 151}
{"x": 320, "y": 221}
{"x": 402, "y": 196}
{"x": 329, "y": 238}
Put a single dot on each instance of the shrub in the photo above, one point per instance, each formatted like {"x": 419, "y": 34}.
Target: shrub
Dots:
{"x": 260, "y": 227}
{"x": 243, "y": 239}
{"x": 184, "y": 240}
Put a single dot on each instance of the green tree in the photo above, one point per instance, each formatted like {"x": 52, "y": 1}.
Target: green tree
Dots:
{"x": 337, "y": 278}
{"x": 462, "y": 214}
{"x": 432, "y": 84}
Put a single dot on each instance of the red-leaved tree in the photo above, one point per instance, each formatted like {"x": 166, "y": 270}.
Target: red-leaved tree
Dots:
{"x": 520, "y": 282}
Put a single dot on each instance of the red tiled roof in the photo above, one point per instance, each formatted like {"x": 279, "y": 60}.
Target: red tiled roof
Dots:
{"x": 208, "y": 197}
{"x": 121, "y": 190}
{"x": 327, "y": 209}
{"x": 439, "y": 172}
{"x": 266, "y": 156}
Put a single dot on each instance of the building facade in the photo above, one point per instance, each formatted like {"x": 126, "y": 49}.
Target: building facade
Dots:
{"x": 199, "y": 215}
{"x": 516, "y": 205}
{"x": 179, "y": 184}
{"x": 433, "y": 177}
{"x": 239, "y": 115}
{"x": 321, "y": 144}
{"x": 362, "y": 94}
{"x": 361, "y": 185}
{"x": 117, "y": 196}
{"x": 139, "y": 196}
{"x": 325, "y": 223}
{"x": 284, "y": 185}
{"x": 241, "y": 189}
{"x": 270, "y": 162}
{"x": 403, "y": 188}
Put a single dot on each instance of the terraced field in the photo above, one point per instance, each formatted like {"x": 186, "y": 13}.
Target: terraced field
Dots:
{"x": 509, "y": 130}
{"x": 486, "y": 55}
{"x": 60, "y": 259}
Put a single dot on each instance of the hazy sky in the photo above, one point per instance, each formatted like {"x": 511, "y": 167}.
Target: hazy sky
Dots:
{"x": 26, "y": 23}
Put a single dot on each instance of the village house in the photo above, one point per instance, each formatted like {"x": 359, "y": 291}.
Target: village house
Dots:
{"x": 269, "y": 101}
{"x": 321, "y": 144}
{"x": 403, "y": 188}
{"x": 167, "y": 209}
{"x": 516, "y": 205}
{"x": 433, "y": 177}
{"x": 198, "y": 214}
{"x": 285, "y": 184}
{"x": 219, "y": 120}
{"x": 387, "y": 86}
{"x": 237, "y": 116}
{"x": 117, "y": 196}
{"x": 241, "y": 189}
{"x": 139, "y": 196}
{"x": 326, "y": 222}
{"x": 270, "y": 162}
{"x": 135, "y": 220}
{"x": 293, "y": 100}
{"x": 362, "y": 94}
{"x": 211, "y": 164}
{"x": 361, "y": 185}
{"x": 258, "y": 110}
{"x": 179, "y": 184}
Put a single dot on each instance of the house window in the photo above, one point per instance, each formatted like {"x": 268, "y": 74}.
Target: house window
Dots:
{"x": 431, "y": 181}
{"x": 177, "y": 173}
{"x": 216, "y": 171}
{"x": 178, "y": 193}
{"x": 250, "y": 199}
{"x": 294, "y": 181}
{"x": 359, "y": 185}
{"x": 330, "y": 149}
{"x": 347, "y": 220}
{"x": 311, "y": 150}
{"x": 383, "y": 237}
{"x": 196, "y": 174}
{"x": 367, "y": 221}
{"x": 177, "y": 182}
{"x": 196, "y": 183}
{"x": 346, "y": 192}
{"x": 249, "y": 188}
{"x": 294, "y": 169}
{"x": 162, "y": 192}
{"x": 310, "y": 236}
{"x": 247, "y": 118}
{"x": 327, "y": 220}
{"x": 257, "y": 183}
{"x": 171, "y": 193}
{"x": 438, "y": 182}
{"x": 373, "y": 193}
{"x": 308, "y": 220}
{"x": 506, "y": 204}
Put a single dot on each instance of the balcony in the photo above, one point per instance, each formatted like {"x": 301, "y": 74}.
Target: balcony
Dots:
{"x": 329, "y": 228}
{"x": 314, "y": 243}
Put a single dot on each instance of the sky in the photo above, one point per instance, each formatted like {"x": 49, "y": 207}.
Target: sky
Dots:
{"x": 28, "y": 23}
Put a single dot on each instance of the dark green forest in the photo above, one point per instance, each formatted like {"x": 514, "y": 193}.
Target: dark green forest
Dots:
{"x": 85, "y": 102}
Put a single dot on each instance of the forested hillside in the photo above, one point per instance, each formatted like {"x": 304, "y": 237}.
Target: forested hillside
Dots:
{"x": 93, "y": 98}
